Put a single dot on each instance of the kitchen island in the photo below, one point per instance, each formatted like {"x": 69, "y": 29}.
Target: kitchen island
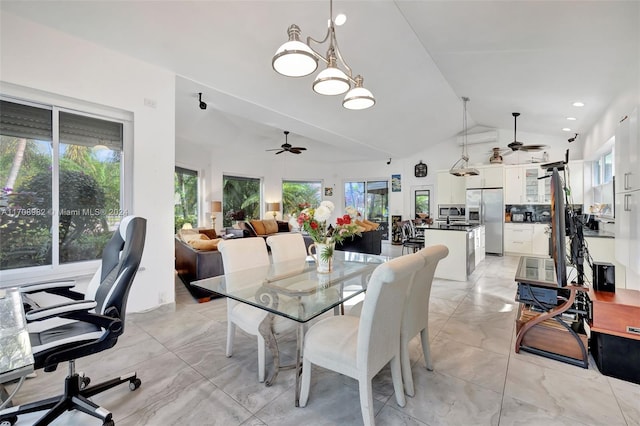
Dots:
{"x": 463, "y": 240}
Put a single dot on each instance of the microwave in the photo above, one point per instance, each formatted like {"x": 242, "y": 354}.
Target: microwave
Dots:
{"x": 451, "y": 211}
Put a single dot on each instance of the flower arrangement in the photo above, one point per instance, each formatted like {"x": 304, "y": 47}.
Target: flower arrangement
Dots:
{"x": 314, "y": 222}
{"x": 236, "y": 214}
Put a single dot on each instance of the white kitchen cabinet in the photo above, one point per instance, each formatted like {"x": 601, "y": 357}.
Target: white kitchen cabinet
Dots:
{"x": 451, "y": 189}
{"x": 489, "y": 177}
{"x": 540, "y": 239}
{"x": 627, "y": 197}
{"x": 518, "y": 238}
{"x": 513, "y": 186}
{"x": 479, "y": 237}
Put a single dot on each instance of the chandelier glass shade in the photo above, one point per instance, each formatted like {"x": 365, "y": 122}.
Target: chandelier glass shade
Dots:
{"x": 297, "y": 59}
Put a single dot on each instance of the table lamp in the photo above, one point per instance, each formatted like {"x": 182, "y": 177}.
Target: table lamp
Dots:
{"x": 216, "y": 207}
{"x": 273, "y": 207}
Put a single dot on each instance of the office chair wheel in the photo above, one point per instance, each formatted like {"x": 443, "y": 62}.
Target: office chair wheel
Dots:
{"x": 135, "y": 384}
{"x": 84, "y": 381}
{"x": 9, "y": 421}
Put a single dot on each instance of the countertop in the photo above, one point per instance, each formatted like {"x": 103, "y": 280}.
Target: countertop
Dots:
{"x": 597, "y": 234}
{"x": 464, "y": 227}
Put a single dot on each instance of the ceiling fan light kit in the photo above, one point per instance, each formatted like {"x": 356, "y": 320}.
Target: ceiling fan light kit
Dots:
{"x": 297, "y": 59}
{"x": 461, "y": 167}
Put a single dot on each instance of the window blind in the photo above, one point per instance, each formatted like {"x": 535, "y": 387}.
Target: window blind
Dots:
{"x": 87, "y": 131}
{"x": 24, "y": 121}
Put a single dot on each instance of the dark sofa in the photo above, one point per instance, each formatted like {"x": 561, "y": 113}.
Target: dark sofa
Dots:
{"x": 369, "y": 242}
{"x": 192, "y": 265}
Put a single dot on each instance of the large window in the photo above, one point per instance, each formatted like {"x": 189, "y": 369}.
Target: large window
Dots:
{"x": 295, "y": 193}
{"x": 602, "y": 174}
{"x": 62, "y": 193}
{"x": 185, "y": 198}
{"x": 241, "y": 198}
{"x": 371, "y": 200}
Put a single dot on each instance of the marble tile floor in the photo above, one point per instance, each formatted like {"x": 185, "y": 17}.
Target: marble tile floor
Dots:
{"x": 478, "y": 379}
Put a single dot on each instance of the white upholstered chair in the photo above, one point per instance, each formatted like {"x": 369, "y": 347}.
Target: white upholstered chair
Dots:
{"x": 239, "y": 254}
{"x": 359, "y": 347}
{"x": 287, "y": 246}
{"x": 416, "y": 312}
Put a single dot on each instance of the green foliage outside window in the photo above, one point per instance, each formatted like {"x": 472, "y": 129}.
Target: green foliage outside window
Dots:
{"x": 296, "y": 193}
{"x": 240, "y": 193}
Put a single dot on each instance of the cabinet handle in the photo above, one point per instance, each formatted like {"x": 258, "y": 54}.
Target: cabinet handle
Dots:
{"x": 626, "y": 181}
{"x": 632, "y": 329}
{"x": 626, "y": 202}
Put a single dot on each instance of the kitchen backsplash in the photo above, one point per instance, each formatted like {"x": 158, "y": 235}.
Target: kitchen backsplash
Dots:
{"x": 531, "y": 212}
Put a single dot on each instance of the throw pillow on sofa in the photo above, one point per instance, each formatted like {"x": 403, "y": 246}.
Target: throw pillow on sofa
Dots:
{"x": 205, "y": 243}
{"x": 372, "y": 225}
{"x": 258, "y": 226}
{"x": 270, "y": 226}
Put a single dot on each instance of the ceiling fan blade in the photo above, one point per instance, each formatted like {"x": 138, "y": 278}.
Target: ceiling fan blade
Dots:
{"x": 280, "y": 152}
{"x": 274, "y": 149}
{"x": 530, "y": 148}
{"x": 295, "y": 151}
{"x": 299, "y": 148}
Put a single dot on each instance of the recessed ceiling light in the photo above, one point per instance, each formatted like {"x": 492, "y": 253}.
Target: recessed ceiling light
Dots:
{"x": 578, "y": 104}
{"x": 341, "y": 18}
{"x": 571, "y": 118}
{"x": 566, "y": 129}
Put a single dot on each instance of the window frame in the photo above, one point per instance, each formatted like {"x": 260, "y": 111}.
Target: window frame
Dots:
{"x": 319, "y": 182}
{"x": 261, "y": 206}
{"x": 365, "y": 213}
{"x": 57, "y": 104}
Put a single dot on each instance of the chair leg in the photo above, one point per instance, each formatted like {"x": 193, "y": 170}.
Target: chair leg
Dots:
{"x": 396, "y": 376}
{"x": 231, "y": 332}
{"x": 405, "y": 364}
{"x": 366, "y": 401}
{"x": 306, "y": 382}
{"x": 426, "y": 348}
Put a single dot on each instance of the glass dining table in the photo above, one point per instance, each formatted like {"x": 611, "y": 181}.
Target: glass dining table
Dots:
{"x": 295, "y": 290}
{"x": 16, "y": 359}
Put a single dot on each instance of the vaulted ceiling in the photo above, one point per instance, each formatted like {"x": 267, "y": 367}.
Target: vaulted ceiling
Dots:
{"x": 417, "y": 57}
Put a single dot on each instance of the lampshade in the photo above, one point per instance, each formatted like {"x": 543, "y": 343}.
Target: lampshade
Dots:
{"x": 273, "y": 207}
{"x": 294, "y": 58}
{"x": 216, "y": 206}
{"x": 358, "y": 97}
{"x": 331, "y": 81}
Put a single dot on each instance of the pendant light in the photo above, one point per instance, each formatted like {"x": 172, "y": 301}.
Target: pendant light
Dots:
{"x": 296, "y": 58}
{"x": 461, "y": 167}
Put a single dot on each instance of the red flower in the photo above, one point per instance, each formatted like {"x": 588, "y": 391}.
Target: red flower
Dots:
{"x": 346, "y": 219}
{"x": 340, "y": 221}
{"x": 314, "y": 225}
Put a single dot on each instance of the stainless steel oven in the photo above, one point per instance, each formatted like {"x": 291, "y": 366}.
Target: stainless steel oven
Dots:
{"x": 453, "y": 212}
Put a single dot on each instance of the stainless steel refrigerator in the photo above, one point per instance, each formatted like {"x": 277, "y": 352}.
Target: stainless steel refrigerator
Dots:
{"x": 485, "y": 206}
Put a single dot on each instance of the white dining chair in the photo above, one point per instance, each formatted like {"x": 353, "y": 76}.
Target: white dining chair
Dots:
{"x": 415, "y": 317}
{"x": 287, "y": 246}
{"x": 237, "y": 255}
{"x": 359, "y": 347}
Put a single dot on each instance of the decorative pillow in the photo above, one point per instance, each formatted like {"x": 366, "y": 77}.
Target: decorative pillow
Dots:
{"x": 362, "y": 225}
{"x": 283, "y": 226}
{"x": 372, "y": 225}
{"x": 247, "y": 229}
{"x": 270, "y": 226}
{"x": 205, "y": 244}
{"x": 187, "y": 235}
{"x": 211, "y": 233}
{"x": 258, "y": 226}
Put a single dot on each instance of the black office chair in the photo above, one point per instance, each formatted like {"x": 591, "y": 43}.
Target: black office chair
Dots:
{"x": 82, "y": 327}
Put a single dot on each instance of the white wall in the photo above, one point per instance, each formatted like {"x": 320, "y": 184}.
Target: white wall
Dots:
{"x": 44, "y": 59}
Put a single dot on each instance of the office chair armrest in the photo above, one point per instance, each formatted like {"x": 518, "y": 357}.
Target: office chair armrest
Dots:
{"x": 60, "y": 288}
{"x": 60, "y": 310}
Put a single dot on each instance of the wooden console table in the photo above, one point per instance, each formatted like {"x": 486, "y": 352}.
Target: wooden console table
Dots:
{"x": 549, "y": 319}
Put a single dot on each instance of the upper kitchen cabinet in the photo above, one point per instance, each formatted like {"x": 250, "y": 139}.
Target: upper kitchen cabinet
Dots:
{"x": 514, "y": 186}
{"x": 627, "y": 197}
{"x": 489, "y": 177}
{"x": 576, "y": 181}
{"x": 522, "y": 185}
{"x": 451, "y": 189}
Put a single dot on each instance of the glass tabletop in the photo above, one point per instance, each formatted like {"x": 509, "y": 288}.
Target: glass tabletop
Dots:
{"x": 537, "y": 271}
{"x": 294, "y": 289}
{"x": 16, "y": 358}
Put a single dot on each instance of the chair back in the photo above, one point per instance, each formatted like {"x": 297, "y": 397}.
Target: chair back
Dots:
{"x": 407, "y": 230}
{"x": 243, "y": 253}
{"x": 380, "y": 320}
{"x": 287, "y": 246}
{"x": 416, "y": 311}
